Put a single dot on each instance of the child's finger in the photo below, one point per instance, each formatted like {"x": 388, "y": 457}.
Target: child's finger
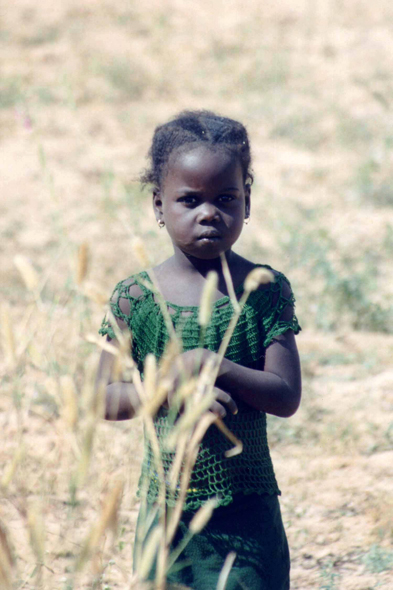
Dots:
{"x": 225, "y": 398}
{"x": 218, "y": 409}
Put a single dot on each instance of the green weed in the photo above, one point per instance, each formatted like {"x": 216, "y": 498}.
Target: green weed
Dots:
{"x": 388, "y": 239}
{"x": 345, "y": 288}
{"x": 378, "y": 560}
{"x": 11, "y": 92}
{"x": 373, "y": 184}
{"x": 126, "y": 79}
{"x": 301, "y": 129}
{"x": 352, "y": 131}
{"x": 329, "y": 577}
{"x": 45, "y": 95}
{"x": 42, "y": 36}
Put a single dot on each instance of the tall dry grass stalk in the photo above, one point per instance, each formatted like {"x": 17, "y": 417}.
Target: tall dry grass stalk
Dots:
{"x": 7, "y": 333}
{"x": 28, "y": 273}
{"x": 82, "y": 263}
{"x": 10, "y": 470}
{"x": 107, "y": 521}
{"x": 35, "y": 522}
{"x": 6, "y": 560}
{"x": 70, "y": 400}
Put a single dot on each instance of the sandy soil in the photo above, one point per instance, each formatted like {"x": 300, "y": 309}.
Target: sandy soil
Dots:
{"x": 82, "y": 86}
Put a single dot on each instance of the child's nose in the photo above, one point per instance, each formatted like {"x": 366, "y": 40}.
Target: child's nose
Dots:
{"x": 207, "y": 212}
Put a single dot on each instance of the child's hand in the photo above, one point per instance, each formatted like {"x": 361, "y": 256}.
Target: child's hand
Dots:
{"x": 223, "y": 398}
{"x": 194, "y": 360}
{"x": 217, "y": 407}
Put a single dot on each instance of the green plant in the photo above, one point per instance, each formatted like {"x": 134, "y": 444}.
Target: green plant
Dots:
{"x": 126, "y": 79}
{"x": 11, "y": 92}
{"x": 372, "y": 183}
{"x": 344, "y": 288}
{"x": 329, "y": 577}
{"x": 378, "y": 560}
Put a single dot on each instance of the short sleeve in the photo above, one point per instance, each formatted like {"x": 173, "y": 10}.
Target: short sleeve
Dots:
{"x": 282, "y": 315}
{"x": 121, "y": 305}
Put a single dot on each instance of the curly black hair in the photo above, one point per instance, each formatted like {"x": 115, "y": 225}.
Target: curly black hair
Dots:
{"x": 196, "y": 127}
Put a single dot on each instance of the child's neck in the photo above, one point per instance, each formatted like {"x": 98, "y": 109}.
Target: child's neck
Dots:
{"x": 190, "y": 264}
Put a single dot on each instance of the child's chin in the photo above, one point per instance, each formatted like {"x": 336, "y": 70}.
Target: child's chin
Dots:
{"x": 209, "y": 253}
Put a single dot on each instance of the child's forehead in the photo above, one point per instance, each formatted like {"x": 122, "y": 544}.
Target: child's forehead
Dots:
{"x": 203, "y": 161}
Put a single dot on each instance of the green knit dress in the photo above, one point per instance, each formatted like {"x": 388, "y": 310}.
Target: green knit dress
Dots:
{"x": 248, "y": 519}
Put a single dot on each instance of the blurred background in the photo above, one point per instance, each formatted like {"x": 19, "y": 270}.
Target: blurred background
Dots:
{"x": 82, "y": 87}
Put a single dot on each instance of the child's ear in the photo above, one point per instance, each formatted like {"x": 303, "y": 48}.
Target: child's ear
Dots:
{"x": 247, "y": 200}
{"x": 157, "y": 205}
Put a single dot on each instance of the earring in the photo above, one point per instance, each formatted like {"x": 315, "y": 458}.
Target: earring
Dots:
{"x": 161, "y": 223}
{"x": 247, "y": 220}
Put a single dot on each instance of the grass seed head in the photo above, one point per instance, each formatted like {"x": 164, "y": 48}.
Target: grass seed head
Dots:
{"x": 203, "y": 516}
{"x": 150, "y": 371}
{"x": 27, "y": 272}
{"x": 258, "y": 276}
{"x": 7, "y": 332}
{"x": 36, "y": 532}
{"x": 82, "y": 263}
{"x": 70, "y": 400}
{"x": 6, "y": 560}
{"x": 140, "y": 252}
{"x": 171, "y": 353}
{"x": 209, "y": 290}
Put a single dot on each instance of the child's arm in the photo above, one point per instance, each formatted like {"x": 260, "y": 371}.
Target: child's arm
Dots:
{"x": 121, "y": 399}
{"x": 275, "y": 387}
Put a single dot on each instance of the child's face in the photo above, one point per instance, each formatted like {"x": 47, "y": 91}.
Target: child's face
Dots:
{"x": 203, "y": 201}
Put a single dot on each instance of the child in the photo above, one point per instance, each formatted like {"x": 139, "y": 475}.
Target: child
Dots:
{"x": 201, "y": 179}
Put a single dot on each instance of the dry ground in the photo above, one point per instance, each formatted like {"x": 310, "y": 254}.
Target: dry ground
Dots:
{"x": 82, "y": 86}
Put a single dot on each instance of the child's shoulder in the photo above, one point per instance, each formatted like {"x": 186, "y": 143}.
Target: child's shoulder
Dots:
{"x": 129, "y": 290}
{"x": 280, "y": 282}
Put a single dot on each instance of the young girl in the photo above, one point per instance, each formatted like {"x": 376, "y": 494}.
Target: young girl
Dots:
{"x": 201, "y": 179}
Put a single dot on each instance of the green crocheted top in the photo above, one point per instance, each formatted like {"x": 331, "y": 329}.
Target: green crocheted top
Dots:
{"x": 260, "y": 322}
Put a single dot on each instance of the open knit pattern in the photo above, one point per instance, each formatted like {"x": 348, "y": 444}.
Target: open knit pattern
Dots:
{"x": 260, "y": 322}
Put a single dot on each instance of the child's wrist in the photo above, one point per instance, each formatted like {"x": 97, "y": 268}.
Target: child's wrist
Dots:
{"x": 223, "y": 370}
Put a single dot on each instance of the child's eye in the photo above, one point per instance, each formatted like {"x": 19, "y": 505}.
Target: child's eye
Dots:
{"x": 188, "y": 200}
{"x": 226, "y": 198}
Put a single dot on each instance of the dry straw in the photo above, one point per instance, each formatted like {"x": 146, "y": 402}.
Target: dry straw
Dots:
{"x": 203, "y": 516}
{"x": 208, "y": 294}
{"x": 27, "y": 272}
{"x": 140, "y": 252}
{"x": 82, "y": 263}
{"x": 9, "y": 471}
{"x": 107, "y": 521}
{"x": 95, "y": 293}
{"x": 37, "y": 532}
{"x": 228, "y": 564}
{"x": 7, "y": 332}
{"x": 258, "y": 276}
{"x": 150, "y": 551}
{"x": 6, "y": 560}
{"x": 70, "y": 400}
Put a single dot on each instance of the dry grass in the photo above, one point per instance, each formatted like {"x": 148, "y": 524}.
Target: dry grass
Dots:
{"x": 81, "y": 90}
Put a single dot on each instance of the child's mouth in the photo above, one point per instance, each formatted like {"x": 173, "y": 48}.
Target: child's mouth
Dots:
{"x": 209, "y": 237}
